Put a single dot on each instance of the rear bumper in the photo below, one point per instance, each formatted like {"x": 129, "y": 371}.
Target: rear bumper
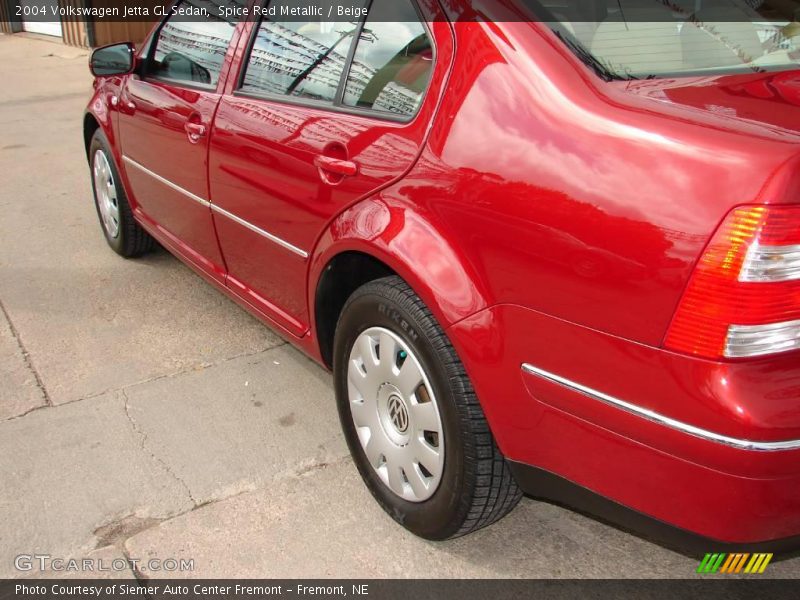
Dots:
{"x": 548, "y": 486}
{"x": 710, "y": 448}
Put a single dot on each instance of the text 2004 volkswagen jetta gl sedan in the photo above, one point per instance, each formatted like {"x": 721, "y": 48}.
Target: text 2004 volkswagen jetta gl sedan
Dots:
{"x": 558, "y": 254}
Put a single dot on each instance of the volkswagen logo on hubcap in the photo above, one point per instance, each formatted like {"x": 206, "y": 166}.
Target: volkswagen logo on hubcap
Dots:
{"x": 398, "y": 414}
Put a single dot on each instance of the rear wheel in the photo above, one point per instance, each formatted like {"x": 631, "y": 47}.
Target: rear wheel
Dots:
{"x": 411, "y": 418}
{"x": 125, "y": 236}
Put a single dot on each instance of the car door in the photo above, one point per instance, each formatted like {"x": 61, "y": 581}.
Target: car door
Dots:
{"x": 165, "y": 118}
{"x": 321, "y": 115}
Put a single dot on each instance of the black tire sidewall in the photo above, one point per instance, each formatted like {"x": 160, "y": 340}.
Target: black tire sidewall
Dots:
{"x": 441, "y": 515}
{"x": 99, "y": 143}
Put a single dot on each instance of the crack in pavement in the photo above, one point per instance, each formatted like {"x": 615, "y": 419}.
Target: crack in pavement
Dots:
{"x": 198, "y": 368}
{"x": 140, "y": 577}
{"x": 26, "y": 357}
{"x": 26, "y": 413}
{"x": 303, "y": 468}
{"x": 143, "y": 445}
{"x": 117, "y": 533}
{"x": 193, "y": 369}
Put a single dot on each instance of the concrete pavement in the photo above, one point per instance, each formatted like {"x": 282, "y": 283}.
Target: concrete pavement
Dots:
{"x": 143, "y": 415}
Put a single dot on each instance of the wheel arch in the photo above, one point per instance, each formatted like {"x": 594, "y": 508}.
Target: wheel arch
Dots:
{"x": 90, "y": 126}
{"x": 383, "y": 236}
{"x": 98, "y": 115}
{"x": 342, "y": 275}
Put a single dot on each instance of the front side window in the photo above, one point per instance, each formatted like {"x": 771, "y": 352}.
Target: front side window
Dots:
{"x": 639, "y": 39}
{"x": 393, "y": 60}
{"x": 193, "y": 50}
{"x": 304, "y": 59}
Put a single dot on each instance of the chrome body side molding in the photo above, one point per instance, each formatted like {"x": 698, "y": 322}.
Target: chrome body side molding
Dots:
{"x": 655, "y": 417}
{"x": 220, "y": 211}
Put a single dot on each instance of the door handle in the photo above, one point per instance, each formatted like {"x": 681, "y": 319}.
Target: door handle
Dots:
{"x": 195, "y": 131}
{"x": 334, "y": 165}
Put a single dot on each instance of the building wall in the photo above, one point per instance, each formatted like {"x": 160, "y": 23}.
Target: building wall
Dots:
{"x": 85, "y": 34}
{"x": 128, "y": 31}
{"x": 74, "y": 33}
{"x": 8, "y": 19}
{"x": 111, "y": 33}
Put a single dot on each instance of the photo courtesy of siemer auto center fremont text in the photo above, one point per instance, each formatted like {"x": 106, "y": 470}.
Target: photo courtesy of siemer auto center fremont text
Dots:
{"x": 399, "y": 298}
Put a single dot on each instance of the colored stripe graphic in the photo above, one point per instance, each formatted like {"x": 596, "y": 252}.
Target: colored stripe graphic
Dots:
{"x": 727, "y": 565}
{"x": 704, "y": 563}
{"x": 743, "y": 560}
{"x": 734, "y": 563}
{"x": 711, "y": 563}
{"x": 762, "y": 562}
{"x": 755, "y": 562}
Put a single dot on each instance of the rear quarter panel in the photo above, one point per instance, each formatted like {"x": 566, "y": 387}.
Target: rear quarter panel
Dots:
{"x": 571, "y": 196}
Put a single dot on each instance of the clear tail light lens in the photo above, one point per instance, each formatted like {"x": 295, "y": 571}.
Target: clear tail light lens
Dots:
{"x": 743, "y": 298}
{"x": 753, "y": 340}
{"x": 771, "y": 263}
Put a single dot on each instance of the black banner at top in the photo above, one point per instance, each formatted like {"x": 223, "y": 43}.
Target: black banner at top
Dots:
{"x": 755, "y": 12}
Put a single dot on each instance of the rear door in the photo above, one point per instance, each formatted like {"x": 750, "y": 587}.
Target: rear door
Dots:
{"x": 165, "y": 119}
{"x": 321, "y": 115}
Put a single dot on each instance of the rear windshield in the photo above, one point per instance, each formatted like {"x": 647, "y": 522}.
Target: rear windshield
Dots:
{"x": 640, "y": 39}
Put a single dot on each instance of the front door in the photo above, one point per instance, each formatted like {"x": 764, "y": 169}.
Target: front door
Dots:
{"x": 165, "y": 123}
{"x": 322, "y": 115}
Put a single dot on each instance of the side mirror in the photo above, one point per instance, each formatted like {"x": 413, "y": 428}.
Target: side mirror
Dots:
{"x": 118, "y": 59}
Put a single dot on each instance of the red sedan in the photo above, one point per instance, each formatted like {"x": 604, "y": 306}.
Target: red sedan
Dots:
{"x": 558, "y": 253}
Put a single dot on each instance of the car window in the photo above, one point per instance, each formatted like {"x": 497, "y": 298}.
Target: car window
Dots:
{"x": 393, "y": 60}
{"x": 643, "y": 39}
{"x": 304, "y": 59}
{"x": 193, "y": 50}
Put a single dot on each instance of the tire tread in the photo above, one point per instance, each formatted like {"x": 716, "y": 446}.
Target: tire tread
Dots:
{"x": 135, "y": 241}
{"x": 494, "y": 490}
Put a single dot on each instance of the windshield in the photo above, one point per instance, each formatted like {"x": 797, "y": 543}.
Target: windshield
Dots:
{"x": 639, "y": 39}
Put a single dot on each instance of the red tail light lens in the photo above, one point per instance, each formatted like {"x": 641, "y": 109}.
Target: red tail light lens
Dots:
{"x": 743, "y": 298}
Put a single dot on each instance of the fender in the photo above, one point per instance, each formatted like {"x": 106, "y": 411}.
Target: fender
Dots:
{"x": 391, "y": 229}
{"x": 101, "y": 108}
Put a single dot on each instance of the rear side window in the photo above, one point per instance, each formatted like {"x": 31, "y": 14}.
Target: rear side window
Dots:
{"x": 193, "y": 51}
{"x": 393, "y": 60}
{"x": 387, "y": 71}
{"x": 304, "y": 59}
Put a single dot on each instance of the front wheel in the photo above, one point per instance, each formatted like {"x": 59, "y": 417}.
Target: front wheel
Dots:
{"x": 411, "y": 418}
{"x": 125, "y": 236}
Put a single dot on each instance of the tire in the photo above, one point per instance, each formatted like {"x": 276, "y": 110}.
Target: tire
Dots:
{"x": 437, "y": 484}
{"x": 125, "y": 236}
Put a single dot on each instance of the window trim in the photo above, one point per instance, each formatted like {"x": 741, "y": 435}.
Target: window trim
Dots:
{"x": 149, "y": 58}
{"x": 336, "y": 106}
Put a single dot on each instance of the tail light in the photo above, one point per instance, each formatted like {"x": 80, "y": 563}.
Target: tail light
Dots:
{"x": 743, "y": 298}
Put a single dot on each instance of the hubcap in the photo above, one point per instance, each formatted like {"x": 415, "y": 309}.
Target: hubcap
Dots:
{"x": 105, "y": 193}
{"x": 395, "y": 414}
